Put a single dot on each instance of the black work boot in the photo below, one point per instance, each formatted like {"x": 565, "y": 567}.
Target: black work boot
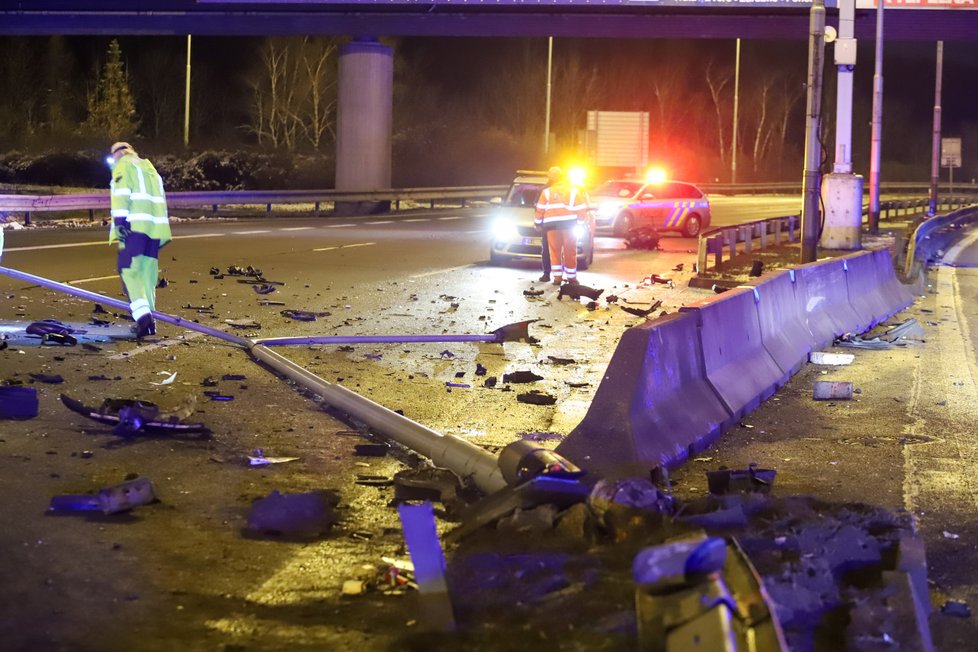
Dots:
{"x": 145, "y": 325}
{"x": 544, "y": 279}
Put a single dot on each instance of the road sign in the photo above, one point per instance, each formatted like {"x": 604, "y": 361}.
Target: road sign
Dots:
{"x": 950, "y": 152}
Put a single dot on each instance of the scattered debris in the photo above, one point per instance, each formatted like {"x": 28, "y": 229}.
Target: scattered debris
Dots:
{"x": 532, "y": 293}
{"x": 642, "y": 312}
{"x": 490, "y": 382}
{"x": 168, "y": 381}
{"x": 371, "y": 450}
{"x": 263, "y": 288}
{"x": 457, "y": 385}
{"x": 243, "y": 323}
{"x": 130, "y": 417}
{"x": 300, "y": 515}
{"x": 59, "y": 339}
{"x": 908, "y": 329}
{"x": 218, "y": 396}
{"x": 209, "y": 308}
{"x": 591, "y": 306}
{"x": 480, "y": 370}
{"x": 756, "y": 268}
{"x": 110, "y": 500}
{"x": 49, "y": 379}
{"x": 162, "y": 283}
{"x": 354, "y": 587}
{"x": 739, "y": 480}
{"x": 560, "y": 361}
{"x": 99, "y": 310}
{"x": 447, "y": 354}
{"x": 576, "y": 291}
{"x": 643, "y": 237}
{"x": 234, "y": 377}
{"x": 828, "y": 390}
{"x": 234, "y": 270}
{"x": 611, "y": 298}
{"x": 346, "y": 348}
{"x": 257, "y": 458}
{"x": 678, "y": 268}
{"x": 832, "y": 359}
{"x": 537, "y": 398}
{"x": 271, "y": 303}
{"x": 521, "y": 377}
{"x": 91, "y": 347}
{"x": 304, "y": 315}
{"x": 427, "y": 483}
{"x": 373, "y": 356}
{"x": 951, "y": 535}
{"x": 18, "y": 403}
{"x": 956, "y": 608}
{"x": 370, "y": 480}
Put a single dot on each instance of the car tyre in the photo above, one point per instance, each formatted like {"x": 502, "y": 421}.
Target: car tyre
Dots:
{"x": 497, "y": 259}
{"x": 623, "y": 224}
{"x": 692, "y": 226}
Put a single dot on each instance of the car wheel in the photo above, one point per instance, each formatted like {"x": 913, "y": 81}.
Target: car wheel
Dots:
{"x": 623, "y": 224}
{"x": 497, "y": 259}
{"x": 692, "y": 226}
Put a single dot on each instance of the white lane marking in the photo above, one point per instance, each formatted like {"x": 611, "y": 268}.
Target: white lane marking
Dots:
{"x": 199, "y": 235}
{"x": 249, "y": 232}
{"x": 162, "y": 344}
{"x": 419, "y": 219}
{"x": 349, "y": 246}
{"x": 441, "y": 271}
{"x": 338, "y": 226}
{"x": 381, "y": 222}
{"x": 69, "y": 245}
{"x": 91, "y": 280}
{"x": 298, "y": 228}
{"x": 456, "y": 217}
{"x": 57, "y": 246}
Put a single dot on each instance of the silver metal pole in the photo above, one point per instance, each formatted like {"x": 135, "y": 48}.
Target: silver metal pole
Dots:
{"x": 186, "y": 101}
{"x": 935, "y": 162}
{"x": 810, "y": 220}
{"x": 736, "y": 117}
{"x": 461, "y": 456}
{"x": 546, "y": 124}
{"x": 877, "y": 137}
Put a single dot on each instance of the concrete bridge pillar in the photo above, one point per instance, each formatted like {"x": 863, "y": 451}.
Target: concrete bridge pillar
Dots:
{"x": 363, "y": 134}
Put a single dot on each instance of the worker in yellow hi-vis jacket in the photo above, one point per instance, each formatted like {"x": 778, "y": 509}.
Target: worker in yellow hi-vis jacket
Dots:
{"x": 141, "y": 226}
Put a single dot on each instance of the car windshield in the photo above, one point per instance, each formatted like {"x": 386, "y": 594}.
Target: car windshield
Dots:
{"x": 524, "y": 194}
{"x": 623, "y": 189}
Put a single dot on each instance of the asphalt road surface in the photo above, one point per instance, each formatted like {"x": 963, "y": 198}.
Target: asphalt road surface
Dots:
{"x": 183, "y": 573}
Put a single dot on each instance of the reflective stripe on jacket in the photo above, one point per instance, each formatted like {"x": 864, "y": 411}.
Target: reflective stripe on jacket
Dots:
{"x": 138, "y": 199}
{"x": 561, "y": 203}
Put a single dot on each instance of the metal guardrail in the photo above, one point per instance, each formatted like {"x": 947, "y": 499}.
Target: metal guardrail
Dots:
{"x": 931, "y": 236}
{"x": 716, "y": 240}
{"x": 794, "y": 187}
{"x": 214, "y": 200}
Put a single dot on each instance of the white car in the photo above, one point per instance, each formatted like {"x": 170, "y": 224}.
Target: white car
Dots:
{"x": 514, "y": 236}
{"x": 624, "y": 204}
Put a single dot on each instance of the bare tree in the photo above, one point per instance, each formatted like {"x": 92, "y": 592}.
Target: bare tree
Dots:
{"x": 575, "y": 91}
{"x": 791, "y": 90}
{"x": 294, "y": 92}
{"x": 762, "y": 131}
{"x": 717, "y": 79}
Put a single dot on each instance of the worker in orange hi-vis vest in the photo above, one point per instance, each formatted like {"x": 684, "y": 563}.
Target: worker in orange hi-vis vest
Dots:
{"x": 561, "y": 207}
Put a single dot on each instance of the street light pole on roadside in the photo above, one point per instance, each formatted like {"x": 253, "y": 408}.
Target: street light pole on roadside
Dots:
{"x": 877, "y": 137}
{"x": 546, "y": 124}
{"x": 935, "y": 162}
{"x": 813, "y": 151}
{"x": 186, "y": 101}
{"x": 736, "y": 116}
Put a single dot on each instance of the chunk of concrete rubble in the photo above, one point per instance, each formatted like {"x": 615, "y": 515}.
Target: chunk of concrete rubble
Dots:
{"x": 574, "y": 523}
{"x": 299, "y": 515}
{"x": 537, "y": 520}
{"x": 830, "y": 390}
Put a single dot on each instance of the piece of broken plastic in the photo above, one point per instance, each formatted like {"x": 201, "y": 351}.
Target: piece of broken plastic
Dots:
{"x": 257, "y": 458}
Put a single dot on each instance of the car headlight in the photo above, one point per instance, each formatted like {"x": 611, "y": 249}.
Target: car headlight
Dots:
{"x": 579, "y": 231}
{"x": 609, "y": 208}
{"x": 503, "y": 229}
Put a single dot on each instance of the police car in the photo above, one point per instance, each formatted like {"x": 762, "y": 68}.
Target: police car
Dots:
{"x": 514, "y": 237}
{"x": 623, "y": 204}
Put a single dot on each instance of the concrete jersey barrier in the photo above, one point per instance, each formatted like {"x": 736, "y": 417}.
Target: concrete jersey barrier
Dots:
{"x": 736, "y": 363}
{"x": 676, "y": 383}
{"x": 654, "y": 405}
{"x": 784, "y": 328}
